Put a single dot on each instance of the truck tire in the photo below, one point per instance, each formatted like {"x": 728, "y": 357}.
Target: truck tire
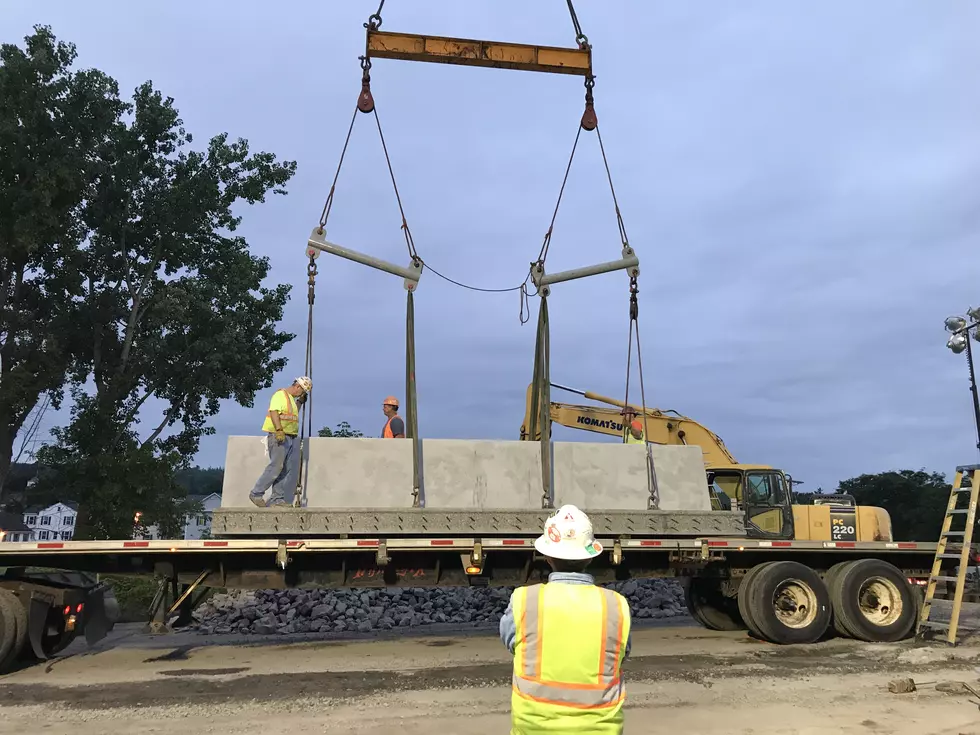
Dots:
{"x": 8, "y": 628}
{"x": 789, "y": 603}
{"x": 874, "y": 601}
{"x": 743, "y": 597}
{"x": 830, "y": 580}
{"x": 709, "y": 606}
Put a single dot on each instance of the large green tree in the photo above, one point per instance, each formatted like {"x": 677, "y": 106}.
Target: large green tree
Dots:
{"x": 167, "y": 303}
{"x": 52, "y": 122}
{"x": 915, "y": 499}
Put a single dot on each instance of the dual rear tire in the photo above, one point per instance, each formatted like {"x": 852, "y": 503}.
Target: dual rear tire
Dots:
{"x": 13, "y": 629}
{"x": 787, "y": 602}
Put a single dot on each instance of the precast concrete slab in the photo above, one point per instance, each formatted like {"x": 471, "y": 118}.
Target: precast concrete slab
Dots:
{"x": 476, "y": 475}
{"x": 614, "y": 476}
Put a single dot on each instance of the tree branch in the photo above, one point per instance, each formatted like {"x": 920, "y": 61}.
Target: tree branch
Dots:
{"x": 135, "y": 315}
{"x": 159, "y": 430}
{"x": 129, "y": 416}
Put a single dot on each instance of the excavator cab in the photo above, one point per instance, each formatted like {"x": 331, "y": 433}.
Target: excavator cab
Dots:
{"x": 761, "y": 493}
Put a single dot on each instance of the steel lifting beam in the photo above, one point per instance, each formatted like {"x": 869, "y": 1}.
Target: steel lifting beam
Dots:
{"x": 317, "y": 244}
{"x": 629, "y": 262}
{"x": 469, "y": 52}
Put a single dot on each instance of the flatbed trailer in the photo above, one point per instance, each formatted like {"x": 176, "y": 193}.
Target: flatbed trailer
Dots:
{"x": 784, "y": 591}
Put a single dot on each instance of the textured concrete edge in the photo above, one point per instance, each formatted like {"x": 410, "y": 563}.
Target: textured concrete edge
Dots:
{"x": 299, "y": 521}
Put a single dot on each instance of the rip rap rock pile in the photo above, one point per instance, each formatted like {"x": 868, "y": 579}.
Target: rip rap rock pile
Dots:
{"x": 267, "y": 612}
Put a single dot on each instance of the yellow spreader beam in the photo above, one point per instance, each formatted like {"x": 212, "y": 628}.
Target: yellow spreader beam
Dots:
{"x": 467, "y": 52}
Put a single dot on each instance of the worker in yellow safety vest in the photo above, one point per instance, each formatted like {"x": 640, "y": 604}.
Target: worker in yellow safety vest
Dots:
{"x": 569, "y": 639}
{"x": 282, "y": 443}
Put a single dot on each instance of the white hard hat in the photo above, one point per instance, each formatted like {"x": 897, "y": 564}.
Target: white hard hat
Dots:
{"x": 568, "y": 535}
{"x": 304, "y": 383}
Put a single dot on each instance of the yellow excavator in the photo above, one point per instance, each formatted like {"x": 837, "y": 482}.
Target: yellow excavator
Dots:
{"x": 761, "y": 491}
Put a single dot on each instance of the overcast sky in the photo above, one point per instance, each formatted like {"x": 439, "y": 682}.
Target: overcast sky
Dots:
{"x": 801, "y": 182}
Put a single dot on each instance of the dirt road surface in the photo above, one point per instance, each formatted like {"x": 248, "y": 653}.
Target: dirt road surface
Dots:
{"x": 681, "y": 678}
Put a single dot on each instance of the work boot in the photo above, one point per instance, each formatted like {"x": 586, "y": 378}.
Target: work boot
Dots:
{"x": 257, "y": 500}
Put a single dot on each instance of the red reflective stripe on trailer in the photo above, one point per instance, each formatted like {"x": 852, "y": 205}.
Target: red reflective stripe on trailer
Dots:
{"x": 367, "y": 542}
{"x": 717, "y": 543}
{"x": 135, "y": 544}
{"x": 212, "y": 544}
{"x": 50, "y": 546}
{"x": 441, "y": 542}
{"x": 782, "y": 543}
{"x": 907, "y": 545}
{"x": 650, "y": 543}
{"x": 845, "y": 544}
{"x": 514, "y": 542}
{"x": 293, "y": 544}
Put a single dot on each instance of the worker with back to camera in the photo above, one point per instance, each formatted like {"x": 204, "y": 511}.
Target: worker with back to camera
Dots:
{"x": 569, "y": 639}
{"x": 394, "y": 426}
{"x": 282, "y": 441}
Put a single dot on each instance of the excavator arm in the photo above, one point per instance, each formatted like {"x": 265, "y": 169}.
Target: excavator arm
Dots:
{"x": 663, "y": 427}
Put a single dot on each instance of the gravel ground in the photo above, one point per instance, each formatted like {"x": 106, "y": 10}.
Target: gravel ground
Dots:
{"x": 680, "y": 678}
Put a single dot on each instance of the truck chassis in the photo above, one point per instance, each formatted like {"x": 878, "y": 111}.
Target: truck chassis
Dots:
{"x": 781, "y": 591}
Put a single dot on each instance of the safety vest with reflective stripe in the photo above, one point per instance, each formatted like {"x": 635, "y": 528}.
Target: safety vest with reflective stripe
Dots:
{"x": 570, "y": 644}
{"x": 387, "y": 433}
{"x": 630, "y": 439}
{"x": 288, "y": 414}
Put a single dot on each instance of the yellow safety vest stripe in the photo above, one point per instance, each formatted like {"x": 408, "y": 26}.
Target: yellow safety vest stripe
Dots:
{"x": 601, "y": 691}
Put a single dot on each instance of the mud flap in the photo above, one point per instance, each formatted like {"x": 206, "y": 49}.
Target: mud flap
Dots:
{"x": 37, "y": 620}
{"x": 96, "y": 621}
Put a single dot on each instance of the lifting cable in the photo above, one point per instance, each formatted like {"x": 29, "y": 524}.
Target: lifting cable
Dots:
{"x": 365, "y": 104}
{"x": 540, "y": 418}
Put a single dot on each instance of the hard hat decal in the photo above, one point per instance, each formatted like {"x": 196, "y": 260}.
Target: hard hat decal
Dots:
{"x": 568, "y": 517}
{"x": 554, "y": 534}
{"x": 594, "y": 548}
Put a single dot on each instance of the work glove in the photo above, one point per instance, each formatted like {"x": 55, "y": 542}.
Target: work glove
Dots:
{"x": 301, "y": 400}
{"x": 280, "y": 436}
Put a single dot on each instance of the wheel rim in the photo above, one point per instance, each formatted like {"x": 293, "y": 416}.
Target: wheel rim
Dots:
{"x": 795, "y": 603}
{"x": 880, "y": 601}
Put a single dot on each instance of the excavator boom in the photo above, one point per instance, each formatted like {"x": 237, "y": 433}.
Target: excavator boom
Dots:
{"x": 663, "y": 427}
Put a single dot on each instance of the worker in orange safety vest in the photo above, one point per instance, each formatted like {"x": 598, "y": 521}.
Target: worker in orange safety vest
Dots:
{"x": 394, "y": 426}
{"x": 569, "y": 639}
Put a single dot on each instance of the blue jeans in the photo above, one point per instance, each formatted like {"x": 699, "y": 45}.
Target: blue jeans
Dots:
{"x": 282, "y": 472}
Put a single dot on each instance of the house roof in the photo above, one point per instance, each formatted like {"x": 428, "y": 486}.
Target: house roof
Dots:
{"x": 202, "y": 498}
{"x": 35, "y": 509}
{"x": 10, "y": 522}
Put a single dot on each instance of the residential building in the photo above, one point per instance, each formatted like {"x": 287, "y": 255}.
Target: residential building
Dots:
{"x": 195, "y": 526}
{"x": 54, "y": 523}
{"x": 12, "y": 528}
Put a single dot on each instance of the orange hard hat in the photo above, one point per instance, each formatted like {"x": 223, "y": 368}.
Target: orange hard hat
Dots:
{"x": 638, "y": 425}
{"x": 391, "y": 401}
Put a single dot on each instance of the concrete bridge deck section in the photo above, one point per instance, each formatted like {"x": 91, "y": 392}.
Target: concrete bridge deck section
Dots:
{"x": 471, "y": 475}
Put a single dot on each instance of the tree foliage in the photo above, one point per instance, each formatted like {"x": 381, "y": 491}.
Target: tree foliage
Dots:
{"x": 52, "y": 122}
{"x": 915, "y": 499}
{"x": 144, "y": 287}
{"x": 343, "y": 430}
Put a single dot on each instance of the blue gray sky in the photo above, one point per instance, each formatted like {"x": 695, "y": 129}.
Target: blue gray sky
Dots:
{"x": 799, "y": 180}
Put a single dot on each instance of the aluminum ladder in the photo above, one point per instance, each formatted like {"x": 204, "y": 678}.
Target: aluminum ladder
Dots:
{"x": 967, "y": 482}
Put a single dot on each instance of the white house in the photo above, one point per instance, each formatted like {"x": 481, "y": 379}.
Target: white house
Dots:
{"x": 12, "y": 528}
{"x": 195, "y": 526}
{"x": 54, "y": 523}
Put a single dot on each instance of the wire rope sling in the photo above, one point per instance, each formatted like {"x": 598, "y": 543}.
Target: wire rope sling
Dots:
{"x": 380, "y": 44}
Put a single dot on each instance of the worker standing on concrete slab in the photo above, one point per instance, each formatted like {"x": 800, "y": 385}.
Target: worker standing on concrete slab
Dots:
{"x": 282, "y": 442}
{"x": 569, "y": 639}
{"x": 394, "y": 427}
